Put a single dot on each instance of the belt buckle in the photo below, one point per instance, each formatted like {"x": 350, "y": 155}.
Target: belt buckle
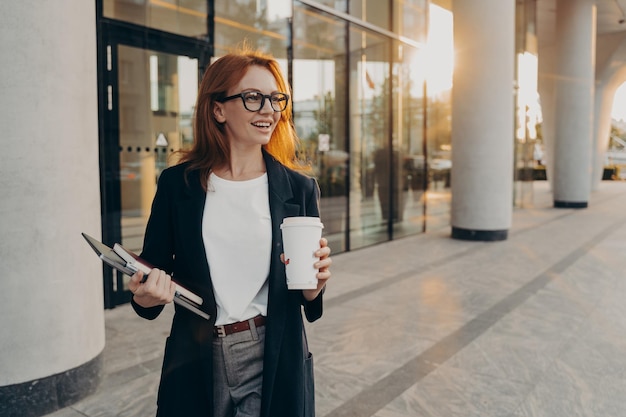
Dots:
{"x": 220, "y": 330}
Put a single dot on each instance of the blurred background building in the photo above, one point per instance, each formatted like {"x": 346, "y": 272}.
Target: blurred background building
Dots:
{"x": 416, "y": 116}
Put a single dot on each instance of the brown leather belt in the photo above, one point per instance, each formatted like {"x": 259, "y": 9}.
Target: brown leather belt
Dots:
{"x": 240, "y": 326}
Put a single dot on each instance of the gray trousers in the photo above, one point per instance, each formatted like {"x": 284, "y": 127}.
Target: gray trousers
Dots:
{"x": 238, "y": 373}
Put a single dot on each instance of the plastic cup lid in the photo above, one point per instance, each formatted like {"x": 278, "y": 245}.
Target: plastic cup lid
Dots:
{"x": 301, "y": 221}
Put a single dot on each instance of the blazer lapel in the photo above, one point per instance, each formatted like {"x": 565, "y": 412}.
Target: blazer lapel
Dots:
{"x": 280, "y": 193}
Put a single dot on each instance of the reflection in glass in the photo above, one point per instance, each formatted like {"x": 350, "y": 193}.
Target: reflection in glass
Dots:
{"x": 371, "y": 183}
{"x": 262, "y": 24}
{"x": 408, "y": 128}
{"x": 410, "y": 18}
{"x": 437, "y": 58}
{"x": 156, "y": 98}
{"x": 372, "y": 11}
{"x": 182, "y": 17}
{"x": 319, "y": 99}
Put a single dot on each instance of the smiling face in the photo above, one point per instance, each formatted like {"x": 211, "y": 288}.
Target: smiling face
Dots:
{"x": 244, "y": 128}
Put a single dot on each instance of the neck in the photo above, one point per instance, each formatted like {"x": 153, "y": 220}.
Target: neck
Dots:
{"x": 243, "y": 165}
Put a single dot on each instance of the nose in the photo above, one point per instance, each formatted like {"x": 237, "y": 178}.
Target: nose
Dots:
{"x": 266, "y": 106}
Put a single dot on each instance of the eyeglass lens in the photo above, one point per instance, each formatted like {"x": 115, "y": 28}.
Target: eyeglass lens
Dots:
{"x": 254, "y": 101}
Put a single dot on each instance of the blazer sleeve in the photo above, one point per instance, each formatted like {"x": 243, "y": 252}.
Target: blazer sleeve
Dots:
{"x": 313, "y": 309}
{"x": 158, "y": 240}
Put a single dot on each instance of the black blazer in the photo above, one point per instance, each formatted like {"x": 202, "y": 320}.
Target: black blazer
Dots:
{"x": 173, "y": 242}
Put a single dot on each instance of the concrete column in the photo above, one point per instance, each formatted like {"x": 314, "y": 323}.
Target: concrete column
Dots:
{"x": 51, "y": 303}
{"x": 483, "y": 119}
{"x": 574, "y": 92}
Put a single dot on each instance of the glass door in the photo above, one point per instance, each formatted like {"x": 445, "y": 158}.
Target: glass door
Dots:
{"x": 373, "y": 159}
{"x": 156, "y": 94}
{"x": 150, "y": 100}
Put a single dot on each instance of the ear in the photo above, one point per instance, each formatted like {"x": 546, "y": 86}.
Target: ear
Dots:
{"x": 218, "y": 112}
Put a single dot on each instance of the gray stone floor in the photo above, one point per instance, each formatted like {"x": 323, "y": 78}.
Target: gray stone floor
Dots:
{"x": 434, "y": 327}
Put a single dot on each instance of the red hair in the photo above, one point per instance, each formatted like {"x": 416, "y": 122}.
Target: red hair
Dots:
{"x": 211, "y": 148}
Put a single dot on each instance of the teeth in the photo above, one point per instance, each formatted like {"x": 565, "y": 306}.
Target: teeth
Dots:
{"x": 262, "y": 124}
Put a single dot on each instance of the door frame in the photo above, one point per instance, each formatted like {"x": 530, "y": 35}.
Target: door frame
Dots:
{"x": 112, "y": 34}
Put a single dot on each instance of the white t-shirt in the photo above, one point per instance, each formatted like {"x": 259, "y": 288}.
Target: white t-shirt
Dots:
{"x": 237, "y": 235}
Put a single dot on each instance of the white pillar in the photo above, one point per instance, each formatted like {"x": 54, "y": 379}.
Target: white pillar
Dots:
{"x": 483, "y": 119}
{"x": 51, "y": 304}
{"x": 574, "y": 92}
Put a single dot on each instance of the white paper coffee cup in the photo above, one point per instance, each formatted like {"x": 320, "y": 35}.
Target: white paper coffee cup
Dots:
{"x": 301, "y": 239}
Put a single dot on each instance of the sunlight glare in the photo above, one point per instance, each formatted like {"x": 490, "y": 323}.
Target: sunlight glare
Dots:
{"x": 528, "y": 106}
{"x": 435, "y": 62}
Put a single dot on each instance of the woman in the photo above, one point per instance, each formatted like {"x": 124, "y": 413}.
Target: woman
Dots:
{"x": 215, "y": 229}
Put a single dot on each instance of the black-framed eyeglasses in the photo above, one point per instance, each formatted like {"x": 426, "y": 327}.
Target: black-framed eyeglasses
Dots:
{"x": 254, "y": 100}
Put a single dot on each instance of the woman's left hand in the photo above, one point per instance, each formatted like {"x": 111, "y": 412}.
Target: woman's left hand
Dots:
{"x": 323, "y": 267}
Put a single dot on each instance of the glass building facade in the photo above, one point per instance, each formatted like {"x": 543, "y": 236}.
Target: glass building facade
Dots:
{"x": 377, "y": 138}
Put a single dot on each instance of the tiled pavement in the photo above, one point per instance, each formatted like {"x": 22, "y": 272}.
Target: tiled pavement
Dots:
{"x": 434, "y": 327}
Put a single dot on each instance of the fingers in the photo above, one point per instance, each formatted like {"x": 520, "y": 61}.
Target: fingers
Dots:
{"x": 324, "y": 254}
{"x": 324, "y": 250}
{"x": 158, "y": 288}
{"x": 135, "y": 281}
{"x": 158, "y": 284}
{"x": 172, "y": 291}
{"x": 323, "y": 265}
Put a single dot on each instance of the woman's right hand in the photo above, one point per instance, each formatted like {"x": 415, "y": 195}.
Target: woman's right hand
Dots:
{"x": 158, "y": 289}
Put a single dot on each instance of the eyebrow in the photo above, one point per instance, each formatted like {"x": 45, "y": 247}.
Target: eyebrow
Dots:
{"x": 256, "y": 90}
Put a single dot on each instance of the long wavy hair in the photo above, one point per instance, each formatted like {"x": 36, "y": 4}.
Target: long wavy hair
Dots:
{"x": 211, "y": 148}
